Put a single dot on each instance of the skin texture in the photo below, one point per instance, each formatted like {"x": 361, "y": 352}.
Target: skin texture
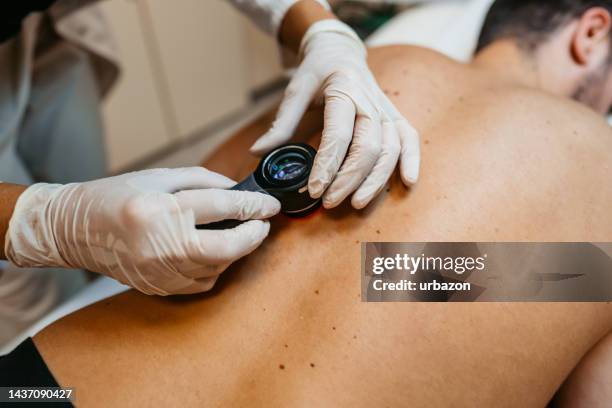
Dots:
{"x": 285, "y": 326}
{"x": 590, "y": 385}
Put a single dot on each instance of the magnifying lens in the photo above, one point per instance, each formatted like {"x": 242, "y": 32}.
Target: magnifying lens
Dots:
{"x": 283, "y": 174}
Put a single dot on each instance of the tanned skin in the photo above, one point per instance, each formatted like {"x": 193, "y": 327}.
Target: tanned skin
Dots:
{"x": 286, "y": 326}
{"x": 297, "y": 21}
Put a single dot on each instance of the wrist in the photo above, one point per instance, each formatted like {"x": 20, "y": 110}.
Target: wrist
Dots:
{"x": 9, "y": 193}
{"x": 30, "y": 241}
{"x": 332, "y": 27}
{"x": 299, "y": 18}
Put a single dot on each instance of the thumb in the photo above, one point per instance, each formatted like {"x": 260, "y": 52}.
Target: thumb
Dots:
{"x": 299, "y": 93}
{"x": 226, "y": 246}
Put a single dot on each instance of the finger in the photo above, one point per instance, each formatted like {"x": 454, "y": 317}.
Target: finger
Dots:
{"x": 194, "y": 280}
{"x": 157, "y": 279}
{"x": 383, "y": 169}
{"x": 409, "y": 141}
{"x": 363, "y": 154}
{"x": 183, "y": 285}
{"x": 410, "y": 156}
{"x": 299, "y": 93}
{"x": 172, "y": 180}
{"x": 197, "y": 285}
{"x": 191, "y": 270}
{"x": 212, "y": 205}
{"x": 226, "y": 246}
{"x": 339, "y": 120}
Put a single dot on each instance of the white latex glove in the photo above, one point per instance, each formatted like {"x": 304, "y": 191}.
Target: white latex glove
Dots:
{"x": 359, "y": 120}
{"x": 139, "y": 228}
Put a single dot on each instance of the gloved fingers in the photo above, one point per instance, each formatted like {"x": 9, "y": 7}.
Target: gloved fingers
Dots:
{"x": 212, "y": 205}
{"x": 188, "y": 282}
{"x": 197, "y": 285}
{"x": 226, "y": 246}
{"x": 187, "y": 178}
{"x": 363, "y": 154}
{"x": 339, "y": 120}
{"x": 383, "y": 169}
{"x": 410, "y": 156}
{"x": 298, "y": 95}
{"x": 201, "y": 272}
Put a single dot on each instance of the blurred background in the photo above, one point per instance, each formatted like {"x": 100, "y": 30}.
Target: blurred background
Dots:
{"x": 170, "y": 97}
{"x": 174, "y": 104}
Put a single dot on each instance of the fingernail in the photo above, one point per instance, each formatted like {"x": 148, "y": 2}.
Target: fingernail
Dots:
{"x": 412, "y": 175}
{"x": 329, "y": 202}
{"x": 316, "y": 188}
{"x": 359, "y": 203}
{"x": 410, "y": 172}
{"x": 254, "y": 149}
{"x": 315, "y": 192}
{"x": 274, "y": 206}
{"x": 260, "y": 145}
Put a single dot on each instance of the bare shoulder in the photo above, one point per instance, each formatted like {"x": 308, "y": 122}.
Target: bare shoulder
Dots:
{"x": 412, "y": 52}
{"x": 407, "y": 59}
{"x": 551, "y": 158}
{"x": 568, "y": 120}
{"x": 536, "y": 166}
{"x": 559, "y": 132}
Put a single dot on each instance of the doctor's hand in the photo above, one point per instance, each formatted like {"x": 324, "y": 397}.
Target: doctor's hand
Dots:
{"x": 139, "y": 228}
{"x": 364, "y": 135}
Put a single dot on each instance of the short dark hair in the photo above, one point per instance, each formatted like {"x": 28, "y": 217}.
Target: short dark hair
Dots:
{"x": 531, "y": 22}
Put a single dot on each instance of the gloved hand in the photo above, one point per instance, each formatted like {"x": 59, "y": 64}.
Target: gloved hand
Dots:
{"x": 357, "y": 113}
{"x": 139, "y": 228}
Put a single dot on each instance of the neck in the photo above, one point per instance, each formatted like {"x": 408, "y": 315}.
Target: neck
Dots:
{"x": 508, "y": 63}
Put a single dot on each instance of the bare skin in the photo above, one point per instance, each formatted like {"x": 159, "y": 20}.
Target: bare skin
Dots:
{"x": 298, "y": 19}
{"x": 501, "y": 162}
{"x": 590, "y": 384}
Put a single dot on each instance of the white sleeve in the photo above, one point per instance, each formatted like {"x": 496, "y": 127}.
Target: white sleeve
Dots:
{"x": 268, "y": 14}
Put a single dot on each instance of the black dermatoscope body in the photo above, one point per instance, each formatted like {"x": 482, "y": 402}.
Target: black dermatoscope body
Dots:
{"x": 283, "y": 174}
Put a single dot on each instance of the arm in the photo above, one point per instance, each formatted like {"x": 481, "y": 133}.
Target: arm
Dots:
{"x": 129, "y": 226}
{"x": 298, "y": 20}
{"x": 272, "y": 15}
{"x": 9, "y": 193}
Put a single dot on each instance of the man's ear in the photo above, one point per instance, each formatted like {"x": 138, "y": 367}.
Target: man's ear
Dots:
{"x": 591, "y": 39}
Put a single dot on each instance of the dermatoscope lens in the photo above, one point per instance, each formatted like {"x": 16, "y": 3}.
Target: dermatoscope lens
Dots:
{"x": 282, "y": 174}
{"x": 288, "y": 167}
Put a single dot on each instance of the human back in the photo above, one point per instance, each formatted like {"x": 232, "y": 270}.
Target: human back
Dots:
{"x": 514, "y": 152}
{"x": 519, "y": 153}
{"x": 286, "y": 326}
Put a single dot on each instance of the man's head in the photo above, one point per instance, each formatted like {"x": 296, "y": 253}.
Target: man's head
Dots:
{"x": 570, "y": 42}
